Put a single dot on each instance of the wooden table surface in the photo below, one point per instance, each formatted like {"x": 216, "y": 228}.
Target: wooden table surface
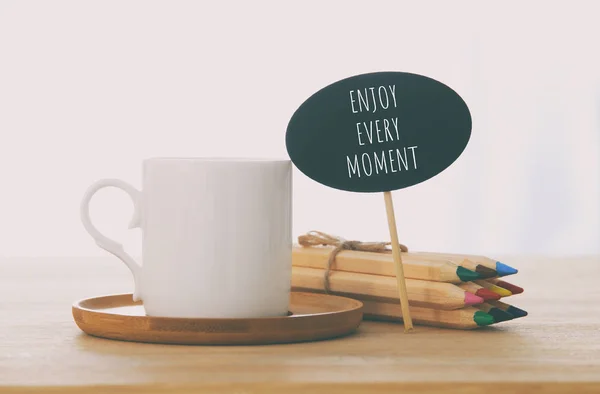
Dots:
{"x": 555, "y": 349}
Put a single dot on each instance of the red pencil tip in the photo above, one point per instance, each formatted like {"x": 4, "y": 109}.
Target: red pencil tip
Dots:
{"x": 488, "y": 294}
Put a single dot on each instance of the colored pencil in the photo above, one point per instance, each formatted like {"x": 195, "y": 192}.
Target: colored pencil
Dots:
{"x": 478, "y": 290}
{"x": 513, "y": 310}
{"x": 508, "y": 286}
{"x": 500, "y": 268}
{"x": 498, "y": 314}
{"x": 501, "y": 291}
{"x": 438, "y": 295}
{"x": 465, "y": 318}
{"x": 482, "y": 270}
{"x": 415, "y": 267}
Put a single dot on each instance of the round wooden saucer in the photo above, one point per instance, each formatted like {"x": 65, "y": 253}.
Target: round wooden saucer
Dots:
{"x": 312, "y": 317}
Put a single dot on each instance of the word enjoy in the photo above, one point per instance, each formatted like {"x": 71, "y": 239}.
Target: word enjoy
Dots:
{"x": 362, "y": 99}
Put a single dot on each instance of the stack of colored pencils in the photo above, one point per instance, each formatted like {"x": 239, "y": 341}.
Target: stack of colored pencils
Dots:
{"x": 444, "y": 290}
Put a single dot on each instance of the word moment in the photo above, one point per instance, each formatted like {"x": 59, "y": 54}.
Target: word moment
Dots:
{"x": 371, "y": 133}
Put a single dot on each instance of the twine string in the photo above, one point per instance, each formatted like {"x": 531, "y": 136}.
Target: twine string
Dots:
{"x": 318, "y": 238}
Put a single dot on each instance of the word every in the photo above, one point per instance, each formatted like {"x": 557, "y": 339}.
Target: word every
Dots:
{"x": 390, "y": 161}
{"x": 374, "y": 130}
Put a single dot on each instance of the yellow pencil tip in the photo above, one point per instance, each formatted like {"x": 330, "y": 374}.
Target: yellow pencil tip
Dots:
{"x": 501, "y": 291}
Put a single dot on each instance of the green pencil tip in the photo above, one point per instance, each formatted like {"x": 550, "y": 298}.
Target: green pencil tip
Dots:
{"x": 466, "y": 275}
{"x": 483, "y": 319}
{"x": 499, "y": 315}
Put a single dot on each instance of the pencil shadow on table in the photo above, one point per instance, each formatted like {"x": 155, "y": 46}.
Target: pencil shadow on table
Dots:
{"x": 425, "y": 341}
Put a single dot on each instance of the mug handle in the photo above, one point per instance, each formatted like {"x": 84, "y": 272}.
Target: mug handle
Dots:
{"x": 106, "y": 243}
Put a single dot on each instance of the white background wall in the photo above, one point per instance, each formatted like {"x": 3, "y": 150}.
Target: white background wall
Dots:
{"x": 90, "y": 88}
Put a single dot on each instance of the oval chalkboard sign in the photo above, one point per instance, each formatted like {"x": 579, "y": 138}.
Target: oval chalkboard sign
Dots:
{"x": 378, "y": 132}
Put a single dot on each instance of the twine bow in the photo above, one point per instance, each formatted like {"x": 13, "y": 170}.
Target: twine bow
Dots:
{"x": 318, "y": 238}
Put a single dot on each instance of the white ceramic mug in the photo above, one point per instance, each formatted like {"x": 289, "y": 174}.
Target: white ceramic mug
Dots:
{"x": 216, "y": 236}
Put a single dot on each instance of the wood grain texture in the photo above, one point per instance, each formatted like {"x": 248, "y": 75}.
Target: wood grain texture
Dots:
{"x": 426, "y": 294}
{"x": 415, "y": 266}
{"x": 459, "y": 318}
{"x": 554, "y": 349}
{"x": 477, "y": 259}
{"x": 400, "y": 280}
{"x": 312, "y": 317}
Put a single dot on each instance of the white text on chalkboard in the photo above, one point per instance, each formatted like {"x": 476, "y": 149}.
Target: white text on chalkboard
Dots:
{"x": 378, "y": 131}
{"x": 366, "y": 99}
{"x": 386, "y": 162}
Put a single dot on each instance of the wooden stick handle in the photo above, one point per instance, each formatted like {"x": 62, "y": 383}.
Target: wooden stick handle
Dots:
{"x": 389, "y": 208}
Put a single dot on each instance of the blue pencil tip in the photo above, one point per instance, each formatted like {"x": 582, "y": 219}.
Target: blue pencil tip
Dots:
{"x": 504, "y": 269}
